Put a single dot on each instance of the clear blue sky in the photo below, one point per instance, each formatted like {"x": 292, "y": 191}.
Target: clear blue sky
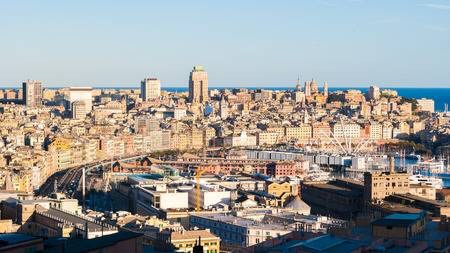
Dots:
{"x": 240, "y": 43}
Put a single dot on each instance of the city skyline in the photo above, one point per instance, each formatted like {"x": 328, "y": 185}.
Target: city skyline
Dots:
{"x": 347, "y": 43}
{"x": 225, "y": 126}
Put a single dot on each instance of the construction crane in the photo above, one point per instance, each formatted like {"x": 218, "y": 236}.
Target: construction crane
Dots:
{"x": 198, "y": 173}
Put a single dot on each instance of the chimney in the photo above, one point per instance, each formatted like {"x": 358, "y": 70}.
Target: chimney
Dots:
{"x": 391, "y": 164}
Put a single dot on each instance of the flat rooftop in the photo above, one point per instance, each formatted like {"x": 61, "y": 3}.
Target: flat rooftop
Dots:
{"x": 337, "y": 189}
{"x": 72, "y": 218}
{"x": 243, "y": 222}
{"x": 399, "y": 219}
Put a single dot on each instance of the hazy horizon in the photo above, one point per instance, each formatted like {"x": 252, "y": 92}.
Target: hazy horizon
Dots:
{"x": 231, "y": 86}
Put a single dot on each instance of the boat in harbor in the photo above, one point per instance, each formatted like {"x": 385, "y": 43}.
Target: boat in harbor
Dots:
{"x": 432, "y": 181}
{"x": 316, "y": 174}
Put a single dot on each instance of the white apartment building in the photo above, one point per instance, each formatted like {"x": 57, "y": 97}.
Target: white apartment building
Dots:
{"x": 210, "y": 195}
{"x": 236, "y": 230}
{"x": 160, "y": 196}
{"x": 242, "y": 140}
{"x": 81, "y": 94}
{"x": 346, "y": 130}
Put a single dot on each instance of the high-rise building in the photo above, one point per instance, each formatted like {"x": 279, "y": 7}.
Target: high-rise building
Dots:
{"x": 374, "y": 93}
{"x": 32, "y": 93}
{"x": 81, "y": 94}
{"x": 198, "y": 85}
{"x": 150, "y": 89}
{"x": 79, "y": 110}
{"x": 325, "y": 89}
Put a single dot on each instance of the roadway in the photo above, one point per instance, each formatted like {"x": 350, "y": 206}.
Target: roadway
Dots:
{"x": 68, "y": 181}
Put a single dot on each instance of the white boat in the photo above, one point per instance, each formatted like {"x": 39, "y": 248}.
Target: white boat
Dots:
{"x": 435, "y": 182}
{"x": 316, "y": 174}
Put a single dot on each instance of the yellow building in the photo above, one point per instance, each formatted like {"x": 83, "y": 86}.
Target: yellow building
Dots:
{"x": 196, "y": 138}
{"x": 21, "y": 181}
{"x": 303, "y": 132}
{"x": 209, "y": 134}
{"x": 268, "y": 138}
{"x": 185, "y": 240}
{"x": 282, "y": 191}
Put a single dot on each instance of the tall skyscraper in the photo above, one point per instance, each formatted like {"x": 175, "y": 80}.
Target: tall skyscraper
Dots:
{"x": 198, "y": 85}
{"x": 32, "y": 93}
{"x": 325, "y": 89}
{"x": 81, "y": 94}
{"x": 150, "y": 89}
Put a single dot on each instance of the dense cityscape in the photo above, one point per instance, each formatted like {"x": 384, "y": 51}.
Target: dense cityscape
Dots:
{"x": 222, "y": 170}
{"x": 307, "y": 126}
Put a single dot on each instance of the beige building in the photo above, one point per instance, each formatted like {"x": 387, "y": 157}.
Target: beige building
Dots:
{"x": 423, "y": 190}
{"x": 79, "y": 110}
{"x": 268, "y": 138}
{"x": 81, "y": 94}
{"x": 198, "y": 85}
{"x": 346, "y": 130}
{"x": 302, "y": 132}
{"x": 378, "y": 185}
{"x": 150, "y": 89}
{"x": 374, "y": 93}
{"x": 425, "y": 105}
{"x": 376, "y": 131}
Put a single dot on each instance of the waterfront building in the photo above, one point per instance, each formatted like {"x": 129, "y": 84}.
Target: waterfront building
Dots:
{"x": 379, "y": 185}
{"x": 339, "y": 198}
